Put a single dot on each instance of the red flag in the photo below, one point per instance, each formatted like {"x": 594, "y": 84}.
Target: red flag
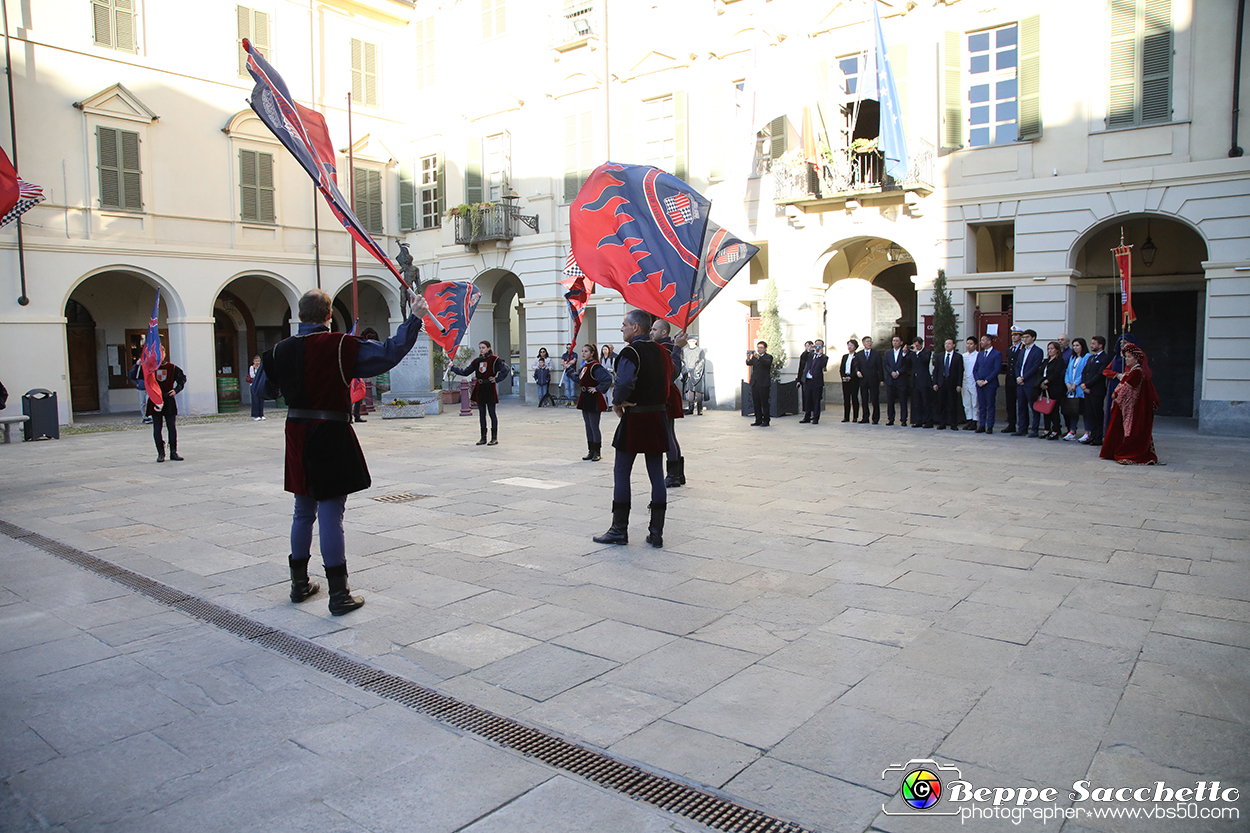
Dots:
{"x": 1124, "y": 260}
{"x": 17, "y": 196}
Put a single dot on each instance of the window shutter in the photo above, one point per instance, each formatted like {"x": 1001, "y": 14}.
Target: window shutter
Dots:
{"x": 124, "y": 25}
{"x": 425, "y": 53}
{"x": 375, "y": 202}
{"x": 1156, "y": 71}
{"x": 442, "y": 189}
{"x": 265, "y": 188}
{"x": 244, "y": 19}
{"x": 493, "y": 18}
{"x": 109, "y": 167}
{"x": 1122, "y": 94}
{"x": 724, "y": 111}
{"x": 102, "y": 22}
{"x": 681, "y": 121}
{"x": 473, "y": 173}
{"x": 131, "y": 175}
{"x": 358, "y": 69}
{"x": 623, "y": 148}
{"x": 1029, "y": 74}
{"x": 368, "y": 193}
{"x": 407, "y": 196}
{"x": 777, "y": 130}
{"x": 249, "y": 198}
{"x": 371, "y": 74}
{"x": 898, "y": 66}
{"x": 952, "y": 91}
{"x": 587, "y": 161}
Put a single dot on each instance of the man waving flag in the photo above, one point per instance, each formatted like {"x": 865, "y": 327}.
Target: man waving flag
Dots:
{"x": 152, "y": 355}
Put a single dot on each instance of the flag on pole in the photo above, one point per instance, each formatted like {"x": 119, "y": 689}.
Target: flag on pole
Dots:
{"x": 1124, "y": 261}
{"x": 723, "y": 255}
{"x": 451, "y": 306}
{"x": 878, "y": 84}
{"x": 304, "y": 133}
{"x": 152, "y": 355}
{"x": 17, "y": 196}
{"x": 578, "y": 294}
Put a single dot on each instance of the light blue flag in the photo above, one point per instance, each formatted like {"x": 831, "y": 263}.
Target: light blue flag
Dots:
{"x": 878, "y": 81}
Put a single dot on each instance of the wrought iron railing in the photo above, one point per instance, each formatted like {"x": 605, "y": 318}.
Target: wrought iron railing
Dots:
{"x": 491, "y": 222}
{"x": 576, "y": 25}
{"x": 848, "y": 172}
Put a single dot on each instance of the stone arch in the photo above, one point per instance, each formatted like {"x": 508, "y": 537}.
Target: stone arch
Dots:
{"x": 379, "y": 304}
{"x": 502, "y": 289}
{"x": 1133, "y": 222}
{"x": 887, "y": 306}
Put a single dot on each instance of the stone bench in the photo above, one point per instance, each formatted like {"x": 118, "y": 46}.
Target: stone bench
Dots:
{"x": 9, "y": 421}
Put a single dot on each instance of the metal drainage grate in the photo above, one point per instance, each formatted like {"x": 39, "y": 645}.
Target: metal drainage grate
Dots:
{"x": 402, "y": 497}
{"x": 700, "y": 805}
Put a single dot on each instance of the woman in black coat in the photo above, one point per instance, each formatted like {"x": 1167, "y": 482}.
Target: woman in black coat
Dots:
{"x": 1051, "y": 385}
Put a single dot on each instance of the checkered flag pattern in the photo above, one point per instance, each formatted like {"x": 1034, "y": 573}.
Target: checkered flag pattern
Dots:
{"x": 679, "y": 209}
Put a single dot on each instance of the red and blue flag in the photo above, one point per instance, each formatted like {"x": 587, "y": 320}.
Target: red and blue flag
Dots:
{"x": 723, "y": 256}
{"x": 152, "y": 355}
{"x": 644, "y": 233}
{"x": 304, "y": 133}
{"x": 451, "y": 306}
{"x": 578, "y": 294}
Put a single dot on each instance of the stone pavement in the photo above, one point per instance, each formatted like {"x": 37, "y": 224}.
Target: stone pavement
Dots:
{"x": 831, "y": 600}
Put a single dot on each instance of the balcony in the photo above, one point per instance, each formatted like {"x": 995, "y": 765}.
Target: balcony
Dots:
{"x": 491, "y": 223}
{"x": 848, "y": 173}
{"x": 576, "y": 27}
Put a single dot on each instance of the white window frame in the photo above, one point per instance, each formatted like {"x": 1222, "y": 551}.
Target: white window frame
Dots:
{"x": 261, "y": 218}
{"x": 429, "y": 197}
{"x": 426, "y": 55}
{"x": 993, "y": 77}
{"x": 360, "y": 73}
{"x": 659, "y": 136}
{"x": 111, "y": 8}
{"x": 265, "y": 45}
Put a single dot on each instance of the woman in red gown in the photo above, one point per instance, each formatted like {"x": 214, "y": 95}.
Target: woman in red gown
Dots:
{"x": 1130, "y": 439}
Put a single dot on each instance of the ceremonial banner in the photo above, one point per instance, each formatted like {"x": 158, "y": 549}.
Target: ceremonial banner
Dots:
{"x": 303, "y": 132}
{"x": 17, "y": 196}
{"x": 645, "y": 233}
{"x": 1124, "y": 261}
{"x": 152, "y": 355}
{"x": 878, "y": 84}
{"x": 577, "y": 296}
{"x": 451, "y": 306}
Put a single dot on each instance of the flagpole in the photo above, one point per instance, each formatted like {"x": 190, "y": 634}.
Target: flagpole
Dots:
{"x": 22, "y": 299}
{"x": 351, "y": 165}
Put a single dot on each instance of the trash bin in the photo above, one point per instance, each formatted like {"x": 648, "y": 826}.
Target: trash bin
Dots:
{"x": 40, "y": 406}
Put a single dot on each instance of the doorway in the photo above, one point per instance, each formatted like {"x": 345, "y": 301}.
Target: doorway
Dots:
{"x": 84, "y": 381}
{"x": 1167, "y": 329}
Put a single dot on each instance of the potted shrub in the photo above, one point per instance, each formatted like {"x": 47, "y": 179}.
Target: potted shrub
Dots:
{"x": 402, "y": 409}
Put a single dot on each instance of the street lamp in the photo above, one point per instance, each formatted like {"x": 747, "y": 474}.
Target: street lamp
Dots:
{"x": 1148, "y": 249}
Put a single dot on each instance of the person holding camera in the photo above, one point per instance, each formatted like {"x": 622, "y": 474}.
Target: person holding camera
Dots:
{"x": 813, "y": 381}
{"x": 761, "y": 364}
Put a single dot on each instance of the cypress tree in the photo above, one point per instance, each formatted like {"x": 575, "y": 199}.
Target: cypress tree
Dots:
{"x": 945, "y": 322}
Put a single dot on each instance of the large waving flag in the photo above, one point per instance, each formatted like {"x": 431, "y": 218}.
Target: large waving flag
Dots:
{"x": 152, "y": 355}
{"x": 577, "y": 296}
{"x": 451, "y": 306}
{"x": 17, "y": 196}
{"x": 723, "y": 256}
{"x": 644, "y": 233}
{"x": 878, "y": 84}
{"x": 303, "y": 132}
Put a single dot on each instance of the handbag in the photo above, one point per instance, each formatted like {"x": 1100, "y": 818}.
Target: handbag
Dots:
{"x": 1044, "y": 405}
{"x": 1072, "y": 406}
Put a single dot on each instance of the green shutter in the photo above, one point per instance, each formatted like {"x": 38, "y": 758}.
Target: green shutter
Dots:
{"x": 358, "y": 70}
{"x": 376, "y": 224}
{"x": 1122, "y": 93}
{"x": 109, "y": 167}
{"x": 264, "y": 171}
{"x": 442, "y": 189}
{"x": 1030, "y": 77}
{"x": 778, "y": 143}
{"x": 681, "y": 138}
{"x": 243, "y": 21}
{"x": 407, "y": 196}
{"x": 1156, "y": 71}
{"x": 102, "y": 22}
{"x": 473, "y": 173}
{"x": 249, "y": 196}
{"x": 367, "y": 187}
{"x": 952, "y": 91}
{"x": 372, "y": 97}
{"x": 124, "y": 25}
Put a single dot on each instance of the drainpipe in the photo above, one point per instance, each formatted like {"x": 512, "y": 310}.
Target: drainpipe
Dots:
{"x": 1235, "y": 151}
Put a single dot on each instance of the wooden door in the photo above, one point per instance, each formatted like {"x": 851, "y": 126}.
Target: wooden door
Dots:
{"x": 1002, "y": 341}
{"x": 84, "y": 384}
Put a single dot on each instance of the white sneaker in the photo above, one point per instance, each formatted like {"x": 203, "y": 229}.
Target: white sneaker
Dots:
{"x": 1084, "y": 439}
{"x": 1071, "y": 435}
{"x": 257, "y": 419}
{"x": 262, "y": 417}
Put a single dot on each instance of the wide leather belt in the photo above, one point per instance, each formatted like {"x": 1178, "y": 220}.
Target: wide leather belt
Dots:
{"x": 308, "y": 413}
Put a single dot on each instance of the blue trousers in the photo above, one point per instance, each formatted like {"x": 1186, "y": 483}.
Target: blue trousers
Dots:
{"x": 1023, "y": 408}
{"x": 674, "y": 448}
{"x": 622, "y": 468}
{"x": 593, "y": 434}
{"x": 329, "y": 513}
{"x": 987, "y": 402}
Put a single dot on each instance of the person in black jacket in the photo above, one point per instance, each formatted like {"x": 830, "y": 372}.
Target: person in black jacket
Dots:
{"x": 921, "y": 386}
{"x": 488, "y": 372}
{"x": 871, "y": 375}
{"x": 171, "y": 380}
{"x": 1095, "y": 386}
{"x": 1051, "y": 386}
{"x": 761, "y": 364}
{"x": 897, "y": 367}
{"x": 948, "y": 380}
{"x": 804, "y": 358}
{"x": 850, "y": 383}
{"x": 812, "y": 378}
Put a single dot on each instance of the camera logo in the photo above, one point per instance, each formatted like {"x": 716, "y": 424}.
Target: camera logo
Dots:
{"x": 920, "y": 786}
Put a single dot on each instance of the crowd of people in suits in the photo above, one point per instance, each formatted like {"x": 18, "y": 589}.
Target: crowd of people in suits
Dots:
{"x": 1049, "y": 392}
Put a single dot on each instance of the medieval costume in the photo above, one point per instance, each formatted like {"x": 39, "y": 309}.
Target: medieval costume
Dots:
{"x": 594, "y": 382}
{"x": 171, "y": 380}
{"x": 1130, "y": 438}
{"x": 488, "y": 372}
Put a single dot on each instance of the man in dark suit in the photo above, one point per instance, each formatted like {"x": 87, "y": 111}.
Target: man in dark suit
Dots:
{"x": 871, "y": 375}
{"x": 948, "y": 379}
{"x": 1095, "y": 386}
{"x": 813, "y": 381}
{"x": 850, "y": 383}
{"x": 897, "y": 365}
{"x": 921, "y": 385}
{"x": 804, "y": 358}
{"x": 1028, "y": 373}
{"x": 988, "y": 362}
{"x": 761, "y": 364}
{"x": 1009, "y": 378}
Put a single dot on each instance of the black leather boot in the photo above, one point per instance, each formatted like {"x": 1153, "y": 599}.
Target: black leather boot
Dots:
{"x": 341, "y": 598}
{"x": 655, "y": 530}
{"x": 590, "y": 451}
{"x": 681, "y": 470}
{"x": 595, "y": 451}
{"x": 173, "y": 452}
{"x": 494, "y": 438}
{"x": 301, "y": 587}
{"x": 160, "y": 452}
{"x": 483, "y": 440}
{"x": 618, "y": 533}
{"x": 673, "y": 480}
